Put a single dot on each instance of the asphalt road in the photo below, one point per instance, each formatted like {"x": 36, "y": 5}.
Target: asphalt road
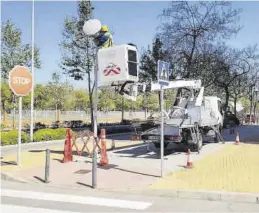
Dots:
{"x": 31, "y": 198}
{"x": 6, "y": 150}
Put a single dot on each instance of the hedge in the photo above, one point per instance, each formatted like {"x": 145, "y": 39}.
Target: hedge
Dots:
{"x": 49, "y": 134}
{"x": 11, "y": 137}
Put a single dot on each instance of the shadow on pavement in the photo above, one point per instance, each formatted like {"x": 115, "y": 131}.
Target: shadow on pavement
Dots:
{"x": 40, "y": 179}
{"x": 5, "y": 163}
{"x": 60, "y": 161}
{"x": 142, "y": 152}
{"x": 84, "y": 184}
{"x": 139, "y": 173}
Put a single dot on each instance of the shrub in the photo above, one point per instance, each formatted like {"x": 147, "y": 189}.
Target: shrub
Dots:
{"x": 61, "y": 132}
{"x": 11, "y": 137}
{"x": 50, "y": 134}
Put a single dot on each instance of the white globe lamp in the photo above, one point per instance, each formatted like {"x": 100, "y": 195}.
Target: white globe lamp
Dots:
{"x": 92, "y": 26}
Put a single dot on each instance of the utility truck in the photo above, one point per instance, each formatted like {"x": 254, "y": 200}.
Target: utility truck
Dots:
{"x": 191, "y": 118}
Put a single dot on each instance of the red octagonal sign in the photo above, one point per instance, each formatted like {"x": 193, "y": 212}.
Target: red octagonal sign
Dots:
{"x": 20, "y": 80}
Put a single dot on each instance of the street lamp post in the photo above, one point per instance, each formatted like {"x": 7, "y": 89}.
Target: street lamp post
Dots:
{"x": 90, "y": 28}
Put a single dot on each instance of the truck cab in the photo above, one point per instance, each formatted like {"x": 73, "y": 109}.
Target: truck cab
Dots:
{"x": 213, "y": 104}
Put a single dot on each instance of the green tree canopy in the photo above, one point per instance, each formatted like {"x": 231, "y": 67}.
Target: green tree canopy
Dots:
{"x": 13, "y": 52}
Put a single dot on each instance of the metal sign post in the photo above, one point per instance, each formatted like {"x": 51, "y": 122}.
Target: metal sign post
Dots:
{"x": 163, "y": 72}
{"x": 19, "y": 133}
{"x": 20, "y": 82}
{"x": 162, "y": 130}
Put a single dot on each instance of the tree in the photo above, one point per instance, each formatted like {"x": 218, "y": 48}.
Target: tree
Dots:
{"x": 188, "y": 26}
{"x": 42, "y": 97}
{"x": 252, "y": 83}
{"x": 57, "y": 91}
{"x": 13, "y": 52}
{"x": 148, "y": 61}
{"x": 106, "y": 99}
{"x": 232, "y": 64}
{"x": 152, "y": 102}
{"x": 81, "y": 99}
{"x": 77, "y": 49}
{"x": 238, "y": 89}
{"x": 6, "y": 98}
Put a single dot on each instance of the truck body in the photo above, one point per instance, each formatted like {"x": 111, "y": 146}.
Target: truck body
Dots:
{"x": 189, "y": 120}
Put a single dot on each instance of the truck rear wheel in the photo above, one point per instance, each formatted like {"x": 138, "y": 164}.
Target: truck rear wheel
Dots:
{"x": 197, "y": 147}
{"x": 217, "y": 139}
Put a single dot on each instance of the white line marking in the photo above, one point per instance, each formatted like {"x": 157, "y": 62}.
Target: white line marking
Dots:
{"x": 76, "y": 199}
{"x": 23, "y": 209}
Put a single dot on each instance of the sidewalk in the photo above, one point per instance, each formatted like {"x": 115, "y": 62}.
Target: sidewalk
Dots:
{"x": 36, "y": 158}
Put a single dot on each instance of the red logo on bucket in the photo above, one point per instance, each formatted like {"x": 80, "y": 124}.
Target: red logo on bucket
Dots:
{"x": 112, "y": 69}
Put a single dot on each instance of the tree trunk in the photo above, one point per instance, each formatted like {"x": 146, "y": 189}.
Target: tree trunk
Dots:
{"x": 91, "y": 102}
{"x": 56, "y": 112}
{"x": 235, "y": 105}
{"x": 227, "y": 98}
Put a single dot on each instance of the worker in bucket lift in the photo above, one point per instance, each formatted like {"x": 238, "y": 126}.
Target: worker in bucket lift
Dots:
{"x": 103, "y": 39}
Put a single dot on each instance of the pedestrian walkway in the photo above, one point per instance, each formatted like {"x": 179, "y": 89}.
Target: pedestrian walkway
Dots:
{"x": 65, "y": 198}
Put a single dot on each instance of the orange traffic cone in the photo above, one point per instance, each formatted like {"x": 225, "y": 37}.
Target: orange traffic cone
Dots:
{"x": 189, "y": 160}
{"x": 237, "y": 138}
{"x": 67, "y": 148}
{"x": 104, "y": 158}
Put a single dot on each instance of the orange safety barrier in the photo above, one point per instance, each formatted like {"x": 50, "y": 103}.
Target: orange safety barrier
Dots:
{"x": 67, "y": 148}
{"x": 81, "y": 135}
{"x": 75, "y": 145}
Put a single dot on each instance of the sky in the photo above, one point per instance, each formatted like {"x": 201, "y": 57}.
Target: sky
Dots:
{"x": 134, "y": 22}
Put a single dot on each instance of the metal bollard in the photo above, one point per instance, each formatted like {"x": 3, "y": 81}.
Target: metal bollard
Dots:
{"x": 47, "y": 166}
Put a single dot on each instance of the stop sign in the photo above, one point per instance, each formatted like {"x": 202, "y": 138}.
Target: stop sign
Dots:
{"x": 20, "y": 80}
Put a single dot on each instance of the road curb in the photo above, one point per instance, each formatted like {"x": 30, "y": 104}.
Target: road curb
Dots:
{"x": 9, "y": 177}
{"x": 237, "y": 197}
{"x": 200, "y": 195}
